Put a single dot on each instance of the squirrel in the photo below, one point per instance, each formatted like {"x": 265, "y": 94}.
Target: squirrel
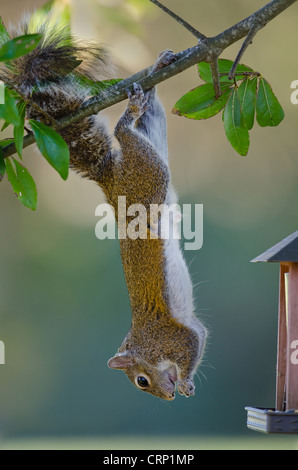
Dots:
{"x": 165, "y": 343}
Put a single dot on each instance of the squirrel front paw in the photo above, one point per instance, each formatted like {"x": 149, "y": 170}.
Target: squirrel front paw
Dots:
{"x": 137, "y": 101}
{"x": 186, "y": 387}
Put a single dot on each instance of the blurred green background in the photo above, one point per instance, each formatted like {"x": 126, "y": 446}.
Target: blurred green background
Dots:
{"x": 64, "y": 307}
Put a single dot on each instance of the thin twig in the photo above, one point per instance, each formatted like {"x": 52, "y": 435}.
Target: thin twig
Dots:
{"x": 203, "y": 50}
{"x": 255, "y": 27}
{"x": 215, "y": 77}
{"x": 184, "y": 23}
{"x": 29, "y": 102}
{"x": 247, "y": 74}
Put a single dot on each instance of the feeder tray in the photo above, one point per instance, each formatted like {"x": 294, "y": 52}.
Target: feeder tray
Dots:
{"x": 271, "y": 421}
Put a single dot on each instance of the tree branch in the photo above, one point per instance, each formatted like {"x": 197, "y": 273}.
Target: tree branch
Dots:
{"x": 207, "y": 49}
{"x": 186, "y": 25}
{"x": 215, "y": 77}
{"x": 255, "y": 27}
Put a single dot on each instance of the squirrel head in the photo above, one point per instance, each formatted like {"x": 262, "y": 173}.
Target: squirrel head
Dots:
{"x": 159, "y": 380}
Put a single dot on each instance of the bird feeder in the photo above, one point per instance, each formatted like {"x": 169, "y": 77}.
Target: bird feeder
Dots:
{"x": 284, "y": 417}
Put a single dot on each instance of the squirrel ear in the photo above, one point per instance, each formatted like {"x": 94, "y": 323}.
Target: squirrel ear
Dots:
{"x": 121, "y": 361}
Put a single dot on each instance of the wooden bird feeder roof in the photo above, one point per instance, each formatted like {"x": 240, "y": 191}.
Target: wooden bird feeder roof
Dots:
{"x": 284, "y": 251}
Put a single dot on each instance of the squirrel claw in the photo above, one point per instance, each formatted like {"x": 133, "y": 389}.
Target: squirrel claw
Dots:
{"x": 186, "y": 387}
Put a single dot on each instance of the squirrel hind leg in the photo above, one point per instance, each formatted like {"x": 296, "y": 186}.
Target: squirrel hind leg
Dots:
{"x": 152, "y": 123}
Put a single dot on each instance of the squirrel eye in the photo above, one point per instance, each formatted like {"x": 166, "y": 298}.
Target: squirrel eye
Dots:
{"x": 142, "y": 381}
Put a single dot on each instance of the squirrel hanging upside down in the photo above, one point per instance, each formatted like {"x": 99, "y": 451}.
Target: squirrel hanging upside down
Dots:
{"x": 166, "y": 341}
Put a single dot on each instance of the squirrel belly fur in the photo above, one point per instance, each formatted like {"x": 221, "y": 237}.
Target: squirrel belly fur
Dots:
{"x": 165, "y": 343}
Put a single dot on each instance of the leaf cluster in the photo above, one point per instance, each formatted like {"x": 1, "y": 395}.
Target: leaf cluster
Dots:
{"x": 240, "y": 103}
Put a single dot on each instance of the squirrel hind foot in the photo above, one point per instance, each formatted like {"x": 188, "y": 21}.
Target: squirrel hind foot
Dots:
{"x": 138, "y": 101}
{"x": 165, "y": 58}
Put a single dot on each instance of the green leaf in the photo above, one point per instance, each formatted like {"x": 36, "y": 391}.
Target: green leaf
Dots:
{"x": 14, "y": 93}
{"x": 2, "y": 166}
{"x": 247, "y": 97}
{"x": 5, "y": 125}
{"x": 234, "y": 125}
{"x": 22, "y": 183}
{"x": 200, "y": 103}
{"x": 224, "y": 66}
{"x": 52, "y": 146}
{"x": 9, "y": 111}
{"x": 18, "y": 131}
{"x": 28, "y": 187}
{"x": 4, "y": 36}
{"x": 12, "y": 177}
{"x": 19, "y": 46}
{"x": 269, "y": 111}
{"x": 94, "y": 86}
{"x": 5, "y": 142}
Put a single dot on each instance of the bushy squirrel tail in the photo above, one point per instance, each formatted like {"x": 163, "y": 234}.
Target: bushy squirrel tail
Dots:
{"x": 51, "y": 76}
